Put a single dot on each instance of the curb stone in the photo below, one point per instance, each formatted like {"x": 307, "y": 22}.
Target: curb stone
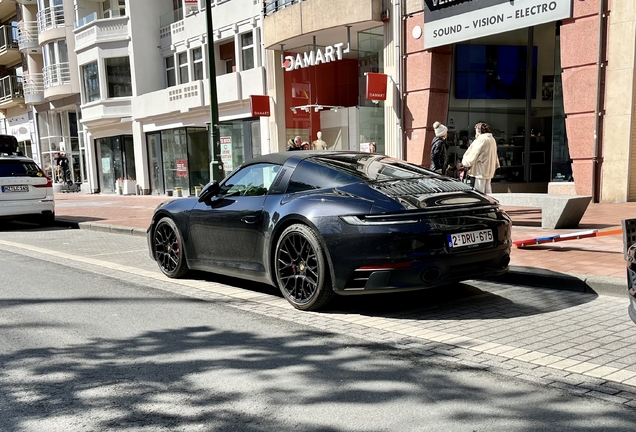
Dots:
{"x": 542, "y": 278}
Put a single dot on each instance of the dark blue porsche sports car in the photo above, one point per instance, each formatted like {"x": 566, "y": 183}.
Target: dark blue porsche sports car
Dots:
{"x": 320, "y": 223}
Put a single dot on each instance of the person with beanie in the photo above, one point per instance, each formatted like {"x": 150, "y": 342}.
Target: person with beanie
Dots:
{"x": 439, "y": 148}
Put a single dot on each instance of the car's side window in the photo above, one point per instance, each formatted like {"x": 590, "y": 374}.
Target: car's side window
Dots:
{"x": 253, "y": 180}
{"x": 309, "y": 175}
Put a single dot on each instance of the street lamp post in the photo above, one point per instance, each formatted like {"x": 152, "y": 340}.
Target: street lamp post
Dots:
{"x": 216, "y": 168}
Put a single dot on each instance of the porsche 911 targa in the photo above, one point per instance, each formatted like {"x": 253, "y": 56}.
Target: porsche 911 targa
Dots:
{"x": 320, "y": 223}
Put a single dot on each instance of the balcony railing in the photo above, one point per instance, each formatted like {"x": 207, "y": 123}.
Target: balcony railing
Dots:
{"x": 87, "y": 19}
{"x": 11, "y": 88}
{"x": 50, "y": 18}
{"x": 8, "y": 37}
{"x": 33, "y": 88}
{"x": 33, "y": 84}
{"x": 271, "y": 6}
{"x": 27, "y": 34}
{"x": 57, "y": 74}
{"x": 171, "y": 17}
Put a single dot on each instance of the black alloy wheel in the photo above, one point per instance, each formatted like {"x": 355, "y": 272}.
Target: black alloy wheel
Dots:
{"x": 301, "y": 270}
{"x": 168, "y": 245}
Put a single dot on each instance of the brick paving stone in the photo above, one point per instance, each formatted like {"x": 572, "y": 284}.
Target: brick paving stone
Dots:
{"x": 569, "y": 387}
{"x": 607, "y": 397}
{"x": 599, "y": 388}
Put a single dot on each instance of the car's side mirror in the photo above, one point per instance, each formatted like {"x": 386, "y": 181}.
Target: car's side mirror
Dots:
{"x": 210, "y": 190}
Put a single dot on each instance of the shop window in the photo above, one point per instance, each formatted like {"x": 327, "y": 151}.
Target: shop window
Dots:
{"x": 247, "y": 51}
{"x": 90, "y": 77}
{"x": 118, "y": 77}
{"x": 183, "y": 68}
{"x": 197, "y": 63}
{"x": 171, "y": 78}
{"x": 226, "y": 54}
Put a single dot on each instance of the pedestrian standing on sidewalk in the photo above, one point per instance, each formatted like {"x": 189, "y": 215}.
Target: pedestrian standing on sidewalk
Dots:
{"x": 481, "y": 157}
{"x": 439, "y": 147}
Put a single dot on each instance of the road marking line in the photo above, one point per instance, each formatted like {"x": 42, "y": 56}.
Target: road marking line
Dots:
{"x": 476, "y": 345}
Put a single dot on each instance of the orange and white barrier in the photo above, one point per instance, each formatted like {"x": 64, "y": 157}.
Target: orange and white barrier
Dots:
{"x": 565, "y": 237}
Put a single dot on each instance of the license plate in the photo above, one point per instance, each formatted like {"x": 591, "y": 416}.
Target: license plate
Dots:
{"x": 15, "y": 188}
{"x": 470, "y": 238}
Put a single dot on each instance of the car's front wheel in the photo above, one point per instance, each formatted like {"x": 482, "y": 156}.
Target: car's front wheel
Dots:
{"x": 168, "y": 245}
{"x": 301, "y": 269}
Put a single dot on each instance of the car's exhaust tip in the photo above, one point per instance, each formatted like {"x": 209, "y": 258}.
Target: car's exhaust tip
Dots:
{"x": 505, "y": 261}
{"x": 432, "y": 274}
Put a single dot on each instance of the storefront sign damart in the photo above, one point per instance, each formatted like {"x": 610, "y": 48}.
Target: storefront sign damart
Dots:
{"x": 447, "y": 22}
{"x": 314, "y": 58}
{"x": 226, "y": 153}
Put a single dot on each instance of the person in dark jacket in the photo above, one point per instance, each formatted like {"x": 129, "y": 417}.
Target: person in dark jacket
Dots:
{"x": 295, "y": 144}
{"x": 439, "y": 147}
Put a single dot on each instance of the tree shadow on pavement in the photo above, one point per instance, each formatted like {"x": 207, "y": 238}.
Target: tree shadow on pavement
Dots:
{"x": 207, "y": 378}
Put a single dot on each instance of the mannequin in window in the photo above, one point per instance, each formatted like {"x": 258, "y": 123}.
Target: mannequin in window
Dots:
{"x": 319, "y": 144}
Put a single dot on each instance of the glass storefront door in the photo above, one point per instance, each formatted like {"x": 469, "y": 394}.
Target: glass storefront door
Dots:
{"x": 154, "y": 154}
{"x": 178, "y": 158}
{"x": 115, "y": 161}
{"x": 174, "y": 154}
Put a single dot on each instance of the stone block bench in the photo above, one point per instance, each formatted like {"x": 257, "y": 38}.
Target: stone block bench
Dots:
{"x": 557, "y": 211}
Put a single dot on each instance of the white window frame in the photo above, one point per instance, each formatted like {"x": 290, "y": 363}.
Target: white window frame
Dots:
{"x": 245, "y": 48}
{"x": 200, "y": 62}
{"x": 168, "y": 69}
{"x": 185, "y": 64}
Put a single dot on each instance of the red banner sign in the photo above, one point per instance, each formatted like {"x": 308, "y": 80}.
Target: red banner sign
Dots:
{"x": 182, "y": 167}
{"x": 376, "y": 86}
{"x": 260, "y": 106}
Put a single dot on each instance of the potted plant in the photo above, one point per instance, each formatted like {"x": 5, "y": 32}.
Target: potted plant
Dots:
{"x": 129, "y": 186}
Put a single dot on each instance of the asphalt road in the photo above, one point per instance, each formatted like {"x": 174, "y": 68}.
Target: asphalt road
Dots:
{"x": 85, "y": 345}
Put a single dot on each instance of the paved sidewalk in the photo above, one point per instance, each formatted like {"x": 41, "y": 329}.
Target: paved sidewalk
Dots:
{"x": 591, "y": 265}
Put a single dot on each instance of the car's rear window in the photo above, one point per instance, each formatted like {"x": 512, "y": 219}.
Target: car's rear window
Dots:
{"x": 372, "y": 167}
{"x": 10, "y": 168}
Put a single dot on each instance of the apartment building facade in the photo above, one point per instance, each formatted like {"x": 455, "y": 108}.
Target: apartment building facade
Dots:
{"x": 122, "y": 87}
{"x": 16, "y": 118}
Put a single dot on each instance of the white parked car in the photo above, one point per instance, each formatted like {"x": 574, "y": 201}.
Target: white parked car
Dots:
{"x": 26, "y": 193}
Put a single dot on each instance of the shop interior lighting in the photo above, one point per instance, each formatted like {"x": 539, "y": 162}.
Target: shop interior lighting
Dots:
{"x": 315, "y": 107}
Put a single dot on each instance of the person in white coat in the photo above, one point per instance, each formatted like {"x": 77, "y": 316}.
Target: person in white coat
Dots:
{"x": 481, "y": 157}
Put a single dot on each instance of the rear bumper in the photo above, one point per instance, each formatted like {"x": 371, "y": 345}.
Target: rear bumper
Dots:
{"x": 27, "y": 207}
{"x": 429, "y": 273}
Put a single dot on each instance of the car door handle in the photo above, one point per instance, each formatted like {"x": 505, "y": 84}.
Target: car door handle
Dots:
{"x": 249, "y": 219}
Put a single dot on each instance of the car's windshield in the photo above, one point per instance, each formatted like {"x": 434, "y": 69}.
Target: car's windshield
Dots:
{"x": 11, "y": 168}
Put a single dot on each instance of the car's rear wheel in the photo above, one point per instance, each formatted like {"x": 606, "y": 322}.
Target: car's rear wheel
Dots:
{"x": 168, "y": 244}
{"x": 301, "y": 269}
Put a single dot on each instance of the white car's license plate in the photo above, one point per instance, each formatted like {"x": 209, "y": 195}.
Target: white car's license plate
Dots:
{"x": 15, "y": 188}
{"x": 470, "y": 238}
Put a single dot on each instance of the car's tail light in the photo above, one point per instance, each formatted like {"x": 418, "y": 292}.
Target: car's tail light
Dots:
{"x": 355, "y": 220}
{"x": 386, "y": 266}
{"x": 48, "y": 184}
